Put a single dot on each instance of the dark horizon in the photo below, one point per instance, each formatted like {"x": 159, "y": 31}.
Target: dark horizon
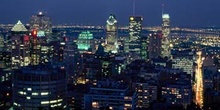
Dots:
{"x": 183, "y": 13}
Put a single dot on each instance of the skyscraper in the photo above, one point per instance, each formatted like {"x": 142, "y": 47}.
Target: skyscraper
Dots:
{"x": 154, "y": 46}
{"x": 72, "y": 60}
{"x": 144, "y": 48}
{"x": 111, "y": 34}
{"x": 35, "y": 52}
{"x": 165, "y": 47}
{"x": 85, "y": 41}
{"x": 135, "y": 27}
{"x": 41, "y": 23}
{"x": 20, "y": 50}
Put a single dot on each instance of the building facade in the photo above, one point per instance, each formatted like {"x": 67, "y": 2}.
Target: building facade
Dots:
{"x": 85, "y": 42}
{"x": 165, "y": 47}
{"x": 111, "y": 34}
{"x": 41, "y": 23}
{"x": 39, "y": 87}
{"x": 154, "y": 47}
{"x": 20, "y": 46}
{"x": 110, "y": 95}
{"x": 135, "y": 28}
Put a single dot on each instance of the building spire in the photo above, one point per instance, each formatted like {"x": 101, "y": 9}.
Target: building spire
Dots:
{"x": 134, "y": 7}
{"x": 162, "y": 9}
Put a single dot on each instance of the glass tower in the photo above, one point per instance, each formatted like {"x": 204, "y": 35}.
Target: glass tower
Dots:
{"x": 41, "y": 23}
{"x": 135, "y": 27}
{"x": 165, "y": 49}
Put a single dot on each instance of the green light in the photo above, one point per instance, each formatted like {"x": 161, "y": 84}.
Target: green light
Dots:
{"x": 84, "y": 41}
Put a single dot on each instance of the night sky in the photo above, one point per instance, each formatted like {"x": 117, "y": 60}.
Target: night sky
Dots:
{"x": 182, "y": 12}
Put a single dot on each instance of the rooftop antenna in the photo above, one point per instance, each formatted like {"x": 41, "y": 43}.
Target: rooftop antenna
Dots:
{"x": 133, "y": 7}
{"x": 162, "y": 9}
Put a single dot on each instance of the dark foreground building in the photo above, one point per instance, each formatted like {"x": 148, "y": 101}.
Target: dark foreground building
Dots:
{"x": 39, "y": 87}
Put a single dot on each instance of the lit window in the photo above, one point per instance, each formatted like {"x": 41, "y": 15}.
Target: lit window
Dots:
{"x": 127, "y": 105}
{"x": 34, "y": 93}
{"x": 28, "y": 98}
{"x": 45, "y": 102}
{"x": 44, "y": 93}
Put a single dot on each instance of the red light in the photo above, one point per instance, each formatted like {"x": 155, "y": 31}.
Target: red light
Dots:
{"x": 26, "y": 38}
{"x": 34, "y": 33}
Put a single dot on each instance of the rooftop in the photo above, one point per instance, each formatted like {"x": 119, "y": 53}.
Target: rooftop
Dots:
{"x": 166, "y": 16}
{"x": 19, "y": 27}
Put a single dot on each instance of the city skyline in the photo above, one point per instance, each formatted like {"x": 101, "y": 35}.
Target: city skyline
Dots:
{"x": 183, "y": 13}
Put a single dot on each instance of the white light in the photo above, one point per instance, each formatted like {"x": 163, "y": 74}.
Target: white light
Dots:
{"x": 15, "y": 104}
{"x": 29, "y": 89}
{"x": 44, "y": 93}
{"x": 45, "y": 102}
{"x": 28, "y": 98}
{"x": 40, "y": 13}
{"x": 34, "y": 93}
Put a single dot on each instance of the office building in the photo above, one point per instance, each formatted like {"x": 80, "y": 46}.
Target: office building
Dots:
{"x": 154, "y": 46}
{"x": 144, "y": 48}
{"x": 111, "y": 34}
{"x": 41, "y": 23}
{"x": 85, "y": 42}
{"x": 183, "y": 60}
{"x": 165, "y": 44}
{"x": 147, "y": 93}
{"x": 135, "y": 28}
{"x": 1, "y": 43}
{"x": 39, "y": 87}
{"x": 110, "y": 95}
{"x": 72, "y": 59}
{"x": 20, "y": 46}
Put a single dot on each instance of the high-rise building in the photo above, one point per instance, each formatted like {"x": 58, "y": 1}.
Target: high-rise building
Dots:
{"x": 1, "y": 43}
{"x": 111, "y": 34}
{"x": 20, "y": 42}
{"x": 183, "y": 60}
{"x": 41, "y": 23}
{"x": 85, "y": 42}
{"x": 144, "y": 48}
{"x": 147, "y": 93}
{"x": 72, "y": 60}
{"x": 39, "y": 87}
{"x": 35, "y": 52}
{"x": 154, "y": 46}
{"x": 165, "y": 47}
{"x": 110, "y": 95}
{"x": 135, "y": 27}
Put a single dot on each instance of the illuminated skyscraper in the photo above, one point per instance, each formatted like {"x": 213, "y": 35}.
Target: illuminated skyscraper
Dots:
{"x": 111, "y": 34}
{"x": 35, "y": 52}
{"x": 165, "y": 47}
{"x": 41, "y": 23}
{"x": 135, "y": 27}
{"x": 85, "y": 41}
{"x": 20, "y": 46}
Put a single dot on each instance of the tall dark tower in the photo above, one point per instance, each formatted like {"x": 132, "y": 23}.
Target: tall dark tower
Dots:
{"x": 154, "y": 47}
{"x": 111, "y": 34}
